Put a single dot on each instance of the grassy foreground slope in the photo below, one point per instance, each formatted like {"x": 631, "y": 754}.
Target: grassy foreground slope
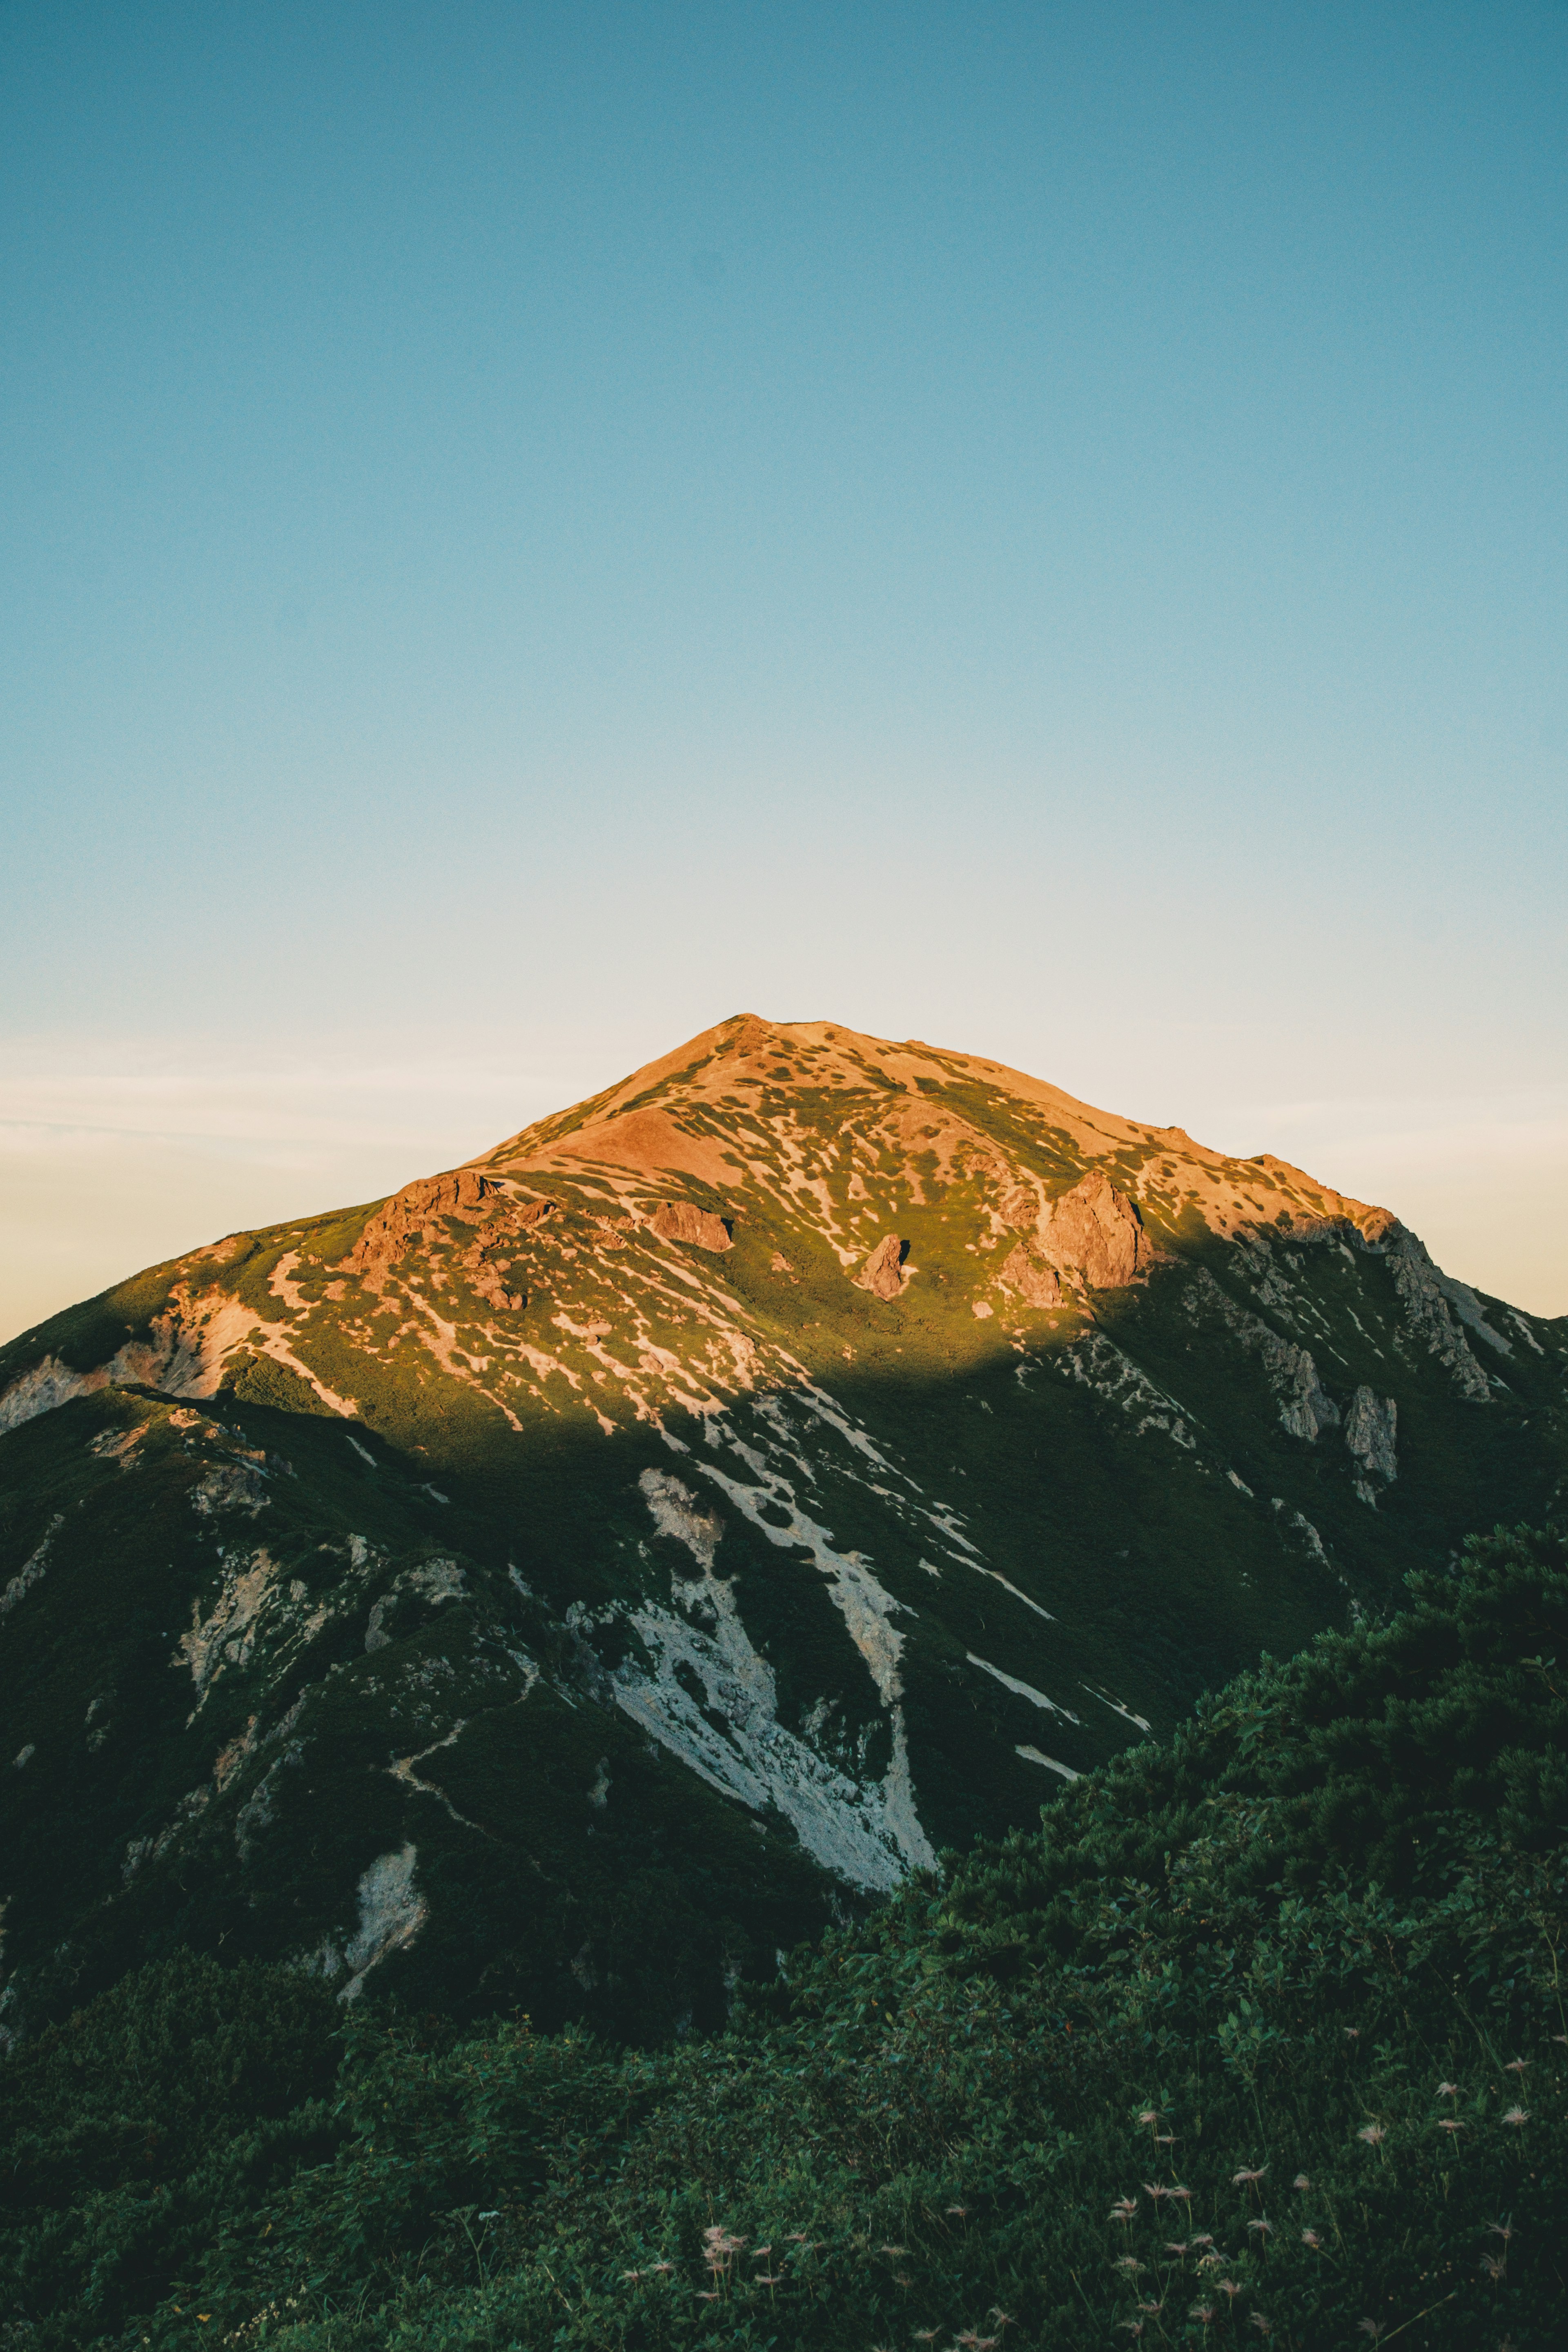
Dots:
{"x": 1259, "y": 2035}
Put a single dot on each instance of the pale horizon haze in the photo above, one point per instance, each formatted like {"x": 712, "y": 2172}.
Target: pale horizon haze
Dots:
{"x": 525, "y": 530}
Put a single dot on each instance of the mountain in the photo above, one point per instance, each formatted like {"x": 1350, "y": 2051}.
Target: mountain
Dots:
{"x": 567, "y": 1582}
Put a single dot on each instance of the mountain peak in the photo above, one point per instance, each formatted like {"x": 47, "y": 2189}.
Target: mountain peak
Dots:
{"x": 815, "y": 1447}
{"x": 734, "y": 1103}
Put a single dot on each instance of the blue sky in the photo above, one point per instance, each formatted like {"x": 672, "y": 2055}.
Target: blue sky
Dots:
{"x": 524, "y": 529}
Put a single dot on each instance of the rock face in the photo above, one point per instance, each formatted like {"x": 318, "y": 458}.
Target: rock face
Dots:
{"x": 678, "y": 1221}
{"x": 398, "y": 1223}
{"x": 1370, "y": 1427}
{"x": 1036, "y": 1285}
{"x": 1306, "y": 1408}
{"x": 880, "y": 1275}
{"x": 1095, "y": 1231}
{"x": 1429, "y": 1298}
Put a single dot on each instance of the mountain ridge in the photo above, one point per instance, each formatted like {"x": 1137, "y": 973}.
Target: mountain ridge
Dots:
{"x": 859, "y": 1438}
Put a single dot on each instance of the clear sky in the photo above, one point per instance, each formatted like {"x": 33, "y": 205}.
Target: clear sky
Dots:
{"x": 525, "y": 529}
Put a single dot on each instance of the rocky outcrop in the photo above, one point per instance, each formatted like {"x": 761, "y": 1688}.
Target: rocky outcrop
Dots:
{"x": 31, "y": 1570}
{"x": 1037, "y": 1284}
{"x": 391, "y": 1913}
{"x": 398, "y": 1223}
{"x": 1020, "y": 1207}
{"x": 678, "y": 1221}
{"x": 485, "y": 1267}
{"x": 1426, "y": 1293}
{"x": 1095, "y": 1231}
{"x": 230, "y": 1487}
{"x": 180, "y": 1356}
{"x": 1370, "y": 1427}
{"x": 881, "y": 1274}
{"x": 1306, "y": 1408}
{"x": 42, "y": 1388}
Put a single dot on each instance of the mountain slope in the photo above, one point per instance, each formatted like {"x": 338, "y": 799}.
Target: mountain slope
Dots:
{"x": 571, "y": 1577}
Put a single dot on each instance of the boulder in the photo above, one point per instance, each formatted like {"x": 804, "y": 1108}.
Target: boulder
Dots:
{"x": 678, "y": 1221}
{"x": 881, "y": 1274}
{"x": 1095, "y": 1231}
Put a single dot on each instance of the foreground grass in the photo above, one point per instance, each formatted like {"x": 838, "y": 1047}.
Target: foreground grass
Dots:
{"x": 1260, "y": 2034}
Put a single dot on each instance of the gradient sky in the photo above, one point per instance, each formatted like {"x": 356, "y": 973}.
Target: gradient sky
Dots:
{"x": 526, "y": 530}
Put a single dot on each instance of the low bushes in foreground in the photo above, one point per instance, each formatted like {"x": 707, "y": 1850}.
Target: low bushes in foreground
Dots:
{"x": 1260, "y": 2035}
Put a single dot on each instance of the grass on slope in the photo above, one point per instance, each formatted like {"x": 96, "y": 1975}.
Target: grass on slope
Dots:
{"x": 1260, "y": 2036}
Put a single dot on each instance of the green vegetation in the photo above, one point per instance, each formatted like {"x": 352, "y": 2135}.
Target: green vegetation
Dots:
{"x": 134, "y": 2129}
{"x": 1259, "y": 2035}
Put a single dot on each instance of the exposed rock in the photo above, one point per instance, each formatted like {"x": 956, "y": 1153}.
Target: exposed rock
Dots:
{"x": 391, "y": 1913}
{"x": 120, "y": 1444}
{"x": 1020, "y": 1207}
{"x": 486, "y": 1275}
{"x": 233, "y": 1754}
{"x": 229, "y": 1633}
{"x": 1095, "y": 1231}
{"x": 40, "y": 1390}
{"x": 1038, "y": 1284}
{"x": 1425, "y": 1292}
{"x": 31, "y": 1570}
{"x": 1305, "y": 1407}
{"x": 1468, "y": 1309}
{"x": 881, "y": 1274}
{"x": 1271, "y": 1285}
{"x": 398, "y": 1221}
{"x": 1098, "y": 1363}
{"x": 678, "y": 1221}
{"x": 677, "y": 1512}
{"x": 174, "y": 1359}
{"x": 1370, "y": 1427}
{"x": 229, "y": 1486}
